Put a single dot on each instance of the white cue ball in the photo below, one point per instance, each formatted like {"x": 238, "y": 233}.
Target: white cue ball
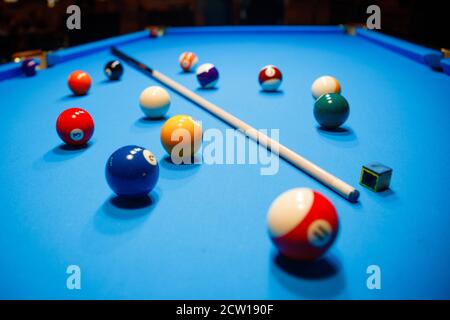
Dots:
{"x": 154, "y": 102}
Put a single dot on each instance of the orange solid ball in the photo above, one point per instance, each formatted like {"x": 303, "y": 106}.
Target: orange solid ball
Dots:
{"x": 181, "y": 133}
{"x": 79, "y": 82}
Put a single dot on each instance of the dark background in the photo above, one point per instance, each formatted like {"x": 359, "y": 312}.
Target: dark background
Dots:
{"x": 36, "y": 24}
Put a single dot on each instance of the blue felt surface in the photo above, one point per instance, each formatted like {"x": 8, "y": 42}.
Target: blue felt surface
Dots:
{"x": 204, "y": 235}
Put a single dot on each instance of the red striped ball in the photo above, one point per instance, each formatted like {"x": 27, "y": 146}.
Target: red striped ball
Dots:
{"x": 270, "y": 78}
{"x": 303, "y": 224}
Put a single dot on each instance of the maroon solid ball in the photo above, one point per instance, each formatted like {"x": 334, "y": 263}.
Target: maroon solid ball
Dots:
{"x": 75, "y": 126}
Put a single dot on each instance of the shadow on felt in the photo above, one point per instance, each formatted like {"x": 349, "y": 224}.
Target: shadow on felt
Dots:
{"x": 319, "y": 279}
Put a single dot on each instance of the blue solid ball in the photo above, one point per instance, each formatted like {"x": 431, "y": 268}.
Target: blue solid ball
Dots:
{"x": 132, "y": 171}
{"x": 29, "y": 67}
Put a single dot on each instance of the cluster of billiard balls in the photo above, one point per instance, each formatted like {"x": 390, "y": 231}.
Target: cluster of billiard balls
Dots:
{"x": 80, "y": 82}
{"x": 331, "y": 109}
{"x": 75, "y": 126}
{"x": 131, "y": 171}
{"x": 207, "y": 74}
{"x": 270, "y": 77}
{"x": 302, "y": 223}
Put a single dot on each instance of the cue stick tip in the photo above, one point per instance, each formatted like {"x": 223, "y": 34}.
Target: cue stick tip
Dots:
{"x": 353, "y": 196}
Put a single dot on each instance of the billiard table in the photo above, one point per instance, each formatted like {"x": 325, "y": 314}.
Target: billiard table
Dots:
{"x": 202, "y": 233}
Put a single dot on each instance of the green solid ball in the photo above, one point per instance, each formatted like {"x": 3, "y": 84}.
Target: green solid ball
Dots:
{"x": 331, "y": 110}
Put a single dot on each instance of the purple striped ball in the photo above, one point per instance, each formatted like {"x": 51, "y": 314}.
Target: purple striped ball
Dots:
{"x": 207, "y": 75}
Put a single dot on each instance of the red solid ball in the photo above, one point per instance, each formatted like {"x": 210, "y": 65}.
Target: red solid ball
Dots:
{"x": 79, "y": 82}
{"x": 303, "y": 224}
{"x": 75, "y": 126}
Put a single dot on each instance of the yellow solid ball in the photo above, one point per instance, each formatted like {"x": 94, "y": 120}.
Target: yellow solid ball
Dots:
{"x": 183, "y": 133}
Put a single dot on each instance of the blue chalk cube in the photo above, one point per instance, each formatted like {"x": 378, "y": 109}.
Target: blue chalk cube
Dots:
{"x": 376, "y": 176}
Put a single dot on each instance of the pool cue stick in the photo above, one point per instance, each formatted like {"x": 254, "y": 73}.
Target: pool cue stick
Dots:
{"x": 326, "y": 178}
